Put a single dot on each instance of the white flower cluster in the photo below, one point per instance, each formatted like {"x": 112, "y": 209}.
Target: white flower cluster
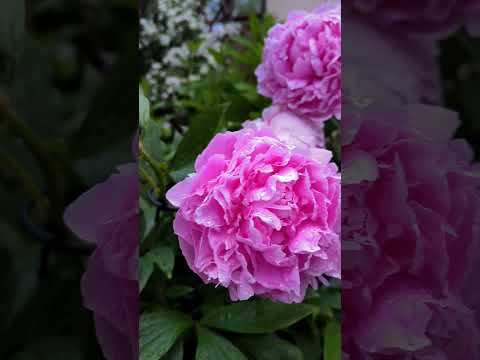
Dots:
{"x": 176, "y": 39}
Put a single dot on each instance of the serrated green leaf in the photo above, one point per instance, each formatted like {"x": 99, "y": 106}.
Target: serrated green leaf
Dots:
{"x": 159, "y": 329}
{"x": 333, "y": 342}
{"x": 212, "y": 346}
{"x": 257, "y": 316}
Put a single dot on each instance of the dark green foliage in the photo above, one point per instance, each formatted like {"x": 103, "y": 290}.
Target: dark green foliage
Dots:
{"x": 64, "y": 75}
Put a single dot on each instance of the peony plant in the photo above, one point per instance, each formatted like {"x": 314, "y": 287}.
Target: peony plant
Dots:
{"x": 240, "y": 208}
{"x": 260, "y": 216}
{"x": 301, "y": 67}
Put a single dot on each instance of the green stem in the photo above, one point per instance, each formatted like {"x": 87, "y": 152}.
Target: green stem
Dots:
{"x": 160, "y": 170}
{"x": 144, "y": 175}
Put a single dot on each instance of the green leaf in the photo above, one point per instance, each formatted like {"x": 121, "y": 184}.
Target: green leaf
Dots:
{"x": 176, "y": 352}
{"x": 45, "y": 108}
{"x": 181, "y": 173}
{"x": 159, "y": 329}
{"x": 202, "y": 129}
{"x": 143, "y": 107}
{"x": 147, "y": 217}
{"x": 152, "y": 142}
{"x": 248, "y": 91}
{"x": 333, "y": 342}
{"x": 164, "y": 258}
{"x": 308, "y": 343}
{"x": 145, "y": 271}
{"x": 268, "y": 347}
{"x": 32, "y": 322}
{"x": 217, "y": 55}
{"x": 212, "y": 346}
{"x": 111, "y": 117}
{"x": 325, "y": 302}
{"x": 257, "y": 316}
{"x": 12, "y": 25}
{"x": 246, "y": 43}
{"x": 53, "y": 348}
{"x": 19, "y": 273}
{"x": 178, "y": 291}
{"x": 99, "y": 166}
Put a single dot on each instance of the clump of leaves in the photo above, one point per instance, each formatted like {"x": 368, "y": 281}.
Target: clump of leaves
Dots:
{"x": 234, "y": 83}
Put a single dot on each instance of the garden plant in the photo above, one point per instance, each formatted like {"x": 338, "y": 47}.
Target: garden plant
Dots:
{"x": 240, "y": 197}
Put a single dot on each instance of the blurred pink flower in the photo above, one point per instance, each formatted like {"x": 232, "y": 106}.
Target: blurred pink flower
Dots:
{"x": 405, "y": 318}
{"x": 260, "y": 216}
{"x": 412, "y": 74}
{"x": 107, "y": 215}
{"x": 410, "y": 222}
{"x": 301, "y": 66}
{"x": 424, "y": 17}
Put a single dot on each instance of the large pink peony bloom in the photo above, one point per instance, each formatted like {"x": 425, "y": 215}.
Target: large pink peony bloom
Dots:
{"x": 107, "y": 215}
{"x": 410, "y": 229}
{"x": 426, "y": 17}
{"x": 301, "y": 66}
{"x": 260, "y": 216}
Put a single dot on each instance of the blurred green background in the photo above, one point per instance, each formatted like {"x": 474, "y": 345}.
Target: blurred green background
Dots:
{"x": 68, "y": 111}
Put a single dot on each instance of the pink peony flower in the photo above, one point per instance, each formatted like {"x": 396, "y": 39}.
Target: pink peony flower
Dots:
{"x": 301, "y": 66}
{"x": 293, "y": 129}
{"x": 260, "y": 216}
{"x": 107, "y": 215}
{"x": 410, "y": 228}
{"x": 425, "y": 17}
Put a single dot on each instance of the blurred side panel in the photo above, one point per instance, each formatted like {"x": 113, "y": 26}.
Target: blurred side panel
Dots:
{"x": 410, "y": 208}
{"x": 68, "y": 113}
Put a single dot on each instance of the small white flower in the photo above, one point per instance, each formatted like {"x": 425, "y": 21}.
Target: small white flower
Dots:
{"x": 167, "y": 33}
